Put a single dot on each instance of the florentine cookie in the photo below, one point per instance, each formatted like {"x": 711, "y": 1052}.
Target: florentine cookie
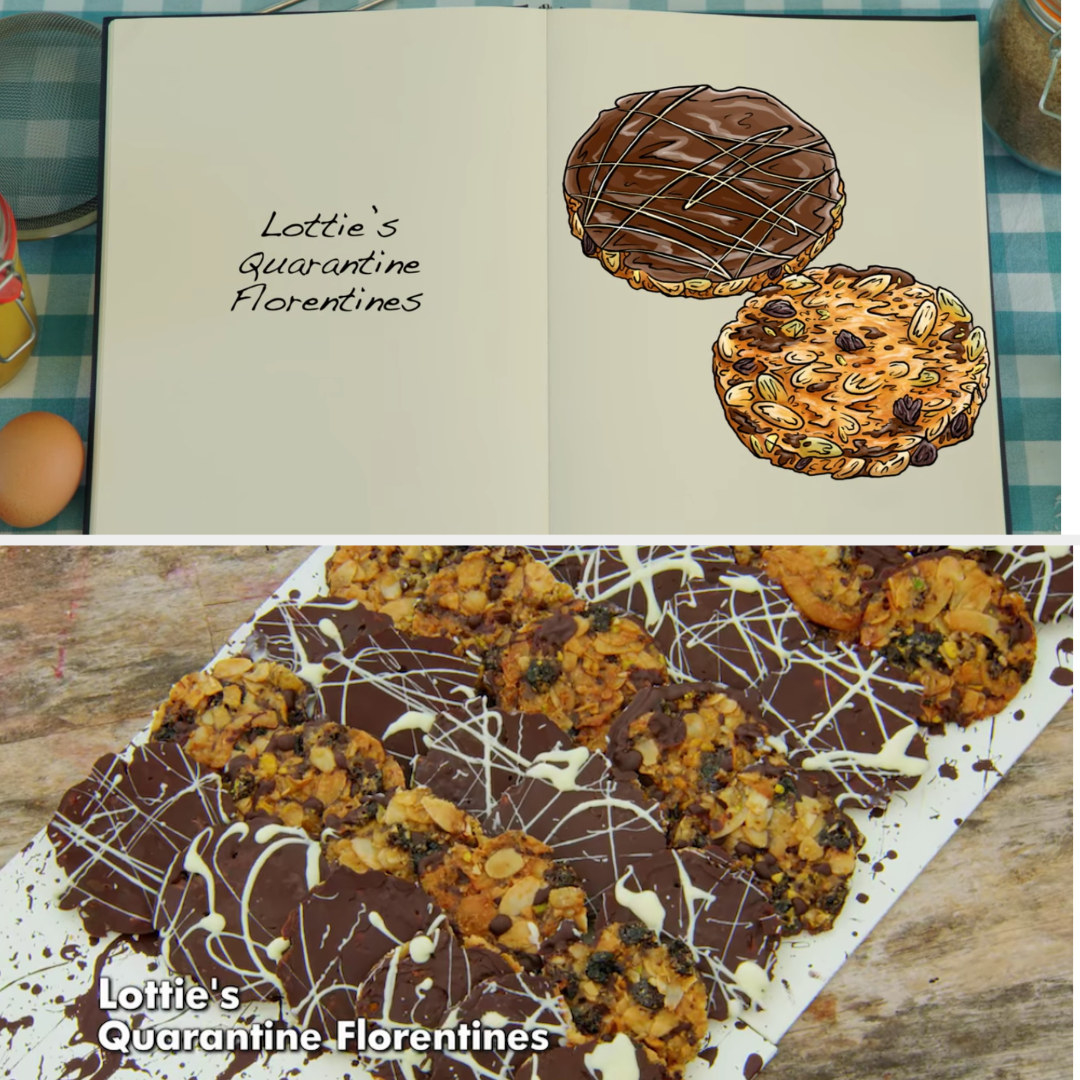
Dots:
{"x": 956, "y": 629}
{"x": 411, "y": 831}
{"x": 593, "y": 823}
{"x": 691, "y": 191}
{"x": 579, "y": 667}
{"x": 850, "y": 717}
{"x": 366, "y": 673}
{"x": 628, "y": 982}
{"x": 507, "y": 889}
{"x": 340, "y": 931}
{"x": 313, "y": 776}
{"x": 704, "y": 755}
{"x": 851, "y": 372}
{"x": 481, "y": 598}
{"x": 227, "y": 899}
{"x": 716, "y": 910}
{"x": 117, "y": 833}
{"x": 733, "y": 631}
{"x": 389, "y": 580}
{"x": 474, "y": 752}
{"x": 212, "y": 714}
{"x": 521, "y": 1001}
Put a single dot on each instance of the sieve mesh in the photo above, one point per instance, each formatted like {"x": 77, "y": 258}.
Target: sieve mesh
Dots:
{"x": 50, "y": 77}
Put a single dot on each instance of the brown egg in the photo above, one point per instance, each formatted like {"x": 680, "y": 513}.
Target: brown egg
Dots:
{"x": 41, "y": 462}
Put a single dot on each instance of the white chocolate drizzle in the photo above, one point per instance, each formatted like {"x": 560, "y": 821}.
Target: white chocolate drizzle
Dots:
{"x": 560, "y": 768}
{"x": 614, "y": 1060}
{"x": 892, "y": 757}
{"x": 645, "y": 904}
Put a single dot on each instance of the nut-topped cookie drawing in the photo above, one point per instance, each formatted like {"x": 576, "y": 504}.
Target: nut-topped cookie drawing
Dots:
{"x": 696, "y": 192}
{"x": 851, "y": 372}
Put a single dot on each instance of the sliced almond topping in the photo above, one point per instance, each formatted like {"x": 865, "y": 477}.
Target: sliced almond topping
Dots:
{"x": 503, "y": 863}
{"x": 923, "y": 321}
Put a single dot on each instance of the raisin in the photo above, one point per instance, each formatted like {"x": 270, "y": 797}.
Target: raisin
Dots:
{"x": 601, "y": 616}
{"x": 682, "y": 959}
{"x": 920, "y": 645}
{"x": 588, "y": 1018}
{"x": 167, "y": 731}
{"x": 601, "y": 966}
{"x": 542, "y": 674}
{"x": 634, "y": 933}
{"x": 559, "y": 876}
{"x": 835, "y": 836}
{"x": 647, "y": 995}
{"x": 834, "y": 901}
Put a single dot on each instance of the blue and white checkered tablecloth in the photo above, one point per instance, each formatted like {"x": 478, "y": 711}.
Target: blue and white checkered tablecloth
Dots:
{"x": 1025, "y": 251}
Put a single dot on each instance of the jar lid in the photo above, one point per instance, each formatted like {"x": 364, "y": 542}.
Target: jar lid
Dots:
{"x": 1048, "y": 12}
{"x": 10, "y": 285}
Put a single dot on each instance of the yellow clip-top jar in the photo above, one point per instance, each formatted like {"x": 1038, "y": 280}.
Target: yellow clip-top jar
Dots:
{"x": 18, "y": 319}
{"x": 1021, "y": 81}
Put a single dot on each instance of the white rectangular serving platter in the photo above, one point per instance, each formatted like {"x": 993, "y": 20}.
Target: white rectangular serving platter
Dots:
{"x": 48, "y": 963}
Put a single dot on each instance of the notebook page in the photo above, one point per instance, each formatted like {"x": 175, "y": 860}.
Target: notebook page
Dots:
{"x": 392, "y": 378}
{"x": 639, "y": 439}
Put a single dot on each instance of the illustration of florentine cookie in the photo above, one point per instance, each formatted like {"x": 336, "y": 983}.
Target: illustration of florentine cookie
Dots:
{"x": 692, "y": 191}
{"x": 851, "y": 372}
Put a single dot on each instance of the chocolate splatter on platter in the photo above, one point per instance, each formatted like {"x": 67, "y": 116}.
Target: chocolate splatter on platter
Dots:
{"x": 51, "y": 1031}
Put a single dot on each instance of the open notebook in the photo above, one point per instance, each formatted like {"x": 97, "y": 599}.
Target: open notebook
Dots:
{"x": 482, "y": 369}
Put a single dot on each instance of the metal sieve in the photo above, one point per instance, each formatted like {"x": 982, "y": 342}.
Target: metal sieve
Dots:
{"x": 50, "y": 78}
{"x": 50, "y": 100}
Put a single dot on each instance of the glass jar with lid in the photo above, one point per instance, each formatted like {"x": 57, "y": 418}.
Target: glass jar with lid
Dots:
{"x": 18, "y": 320}
{"x": 1021, "y": 80}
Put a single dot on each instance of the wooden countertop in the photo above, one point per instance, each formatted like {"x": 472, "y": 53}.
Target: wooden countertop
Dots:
{"x": 969, "y": 977}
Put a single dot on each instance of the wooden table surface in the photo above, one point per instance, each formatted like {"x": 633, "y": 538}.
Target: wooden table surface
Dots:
{"x": 969, "y": 977}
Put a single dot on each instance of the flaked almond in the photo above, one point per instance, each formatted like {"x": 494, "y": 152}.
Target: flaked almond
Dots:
{"x": 445, "y": 814}
{"x": 504, "y": 863}
{"x": 798, "y": 283}
{"x": 322, "y": 757}
{"x": 519, "y": 896}
{"x": 770, "y": 388}
{"x": 232, "y": 666}
{"x": 950, "y": 302}
{"x": 815, "y": 446}
{"x": 923, "y": 321}
{"x": 872, "y": 286}
{"x": 975, "y": 345}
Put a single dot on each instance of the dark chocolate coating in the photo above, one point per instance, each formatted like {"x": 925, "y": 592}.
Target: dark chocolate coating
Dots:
{"x": 862, "y": 699}
{"x": 1044, "y": 580}
{"x": 599, "y": 829}
{"x": 290, "y": 633}
{"x": 334, "y": 944}
{"x": 734, "y": 631}
{"x": 568, "y": 1063}
{"x": 692, "y": 182}
{"x": 259, "y": 871}
{"x": 526, "y": 1002}
{"x": 475, "y": 752}
{"x": 737, "y": 924}
{"x": 118, "y": 832}
{"x": 396, "y": 991}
